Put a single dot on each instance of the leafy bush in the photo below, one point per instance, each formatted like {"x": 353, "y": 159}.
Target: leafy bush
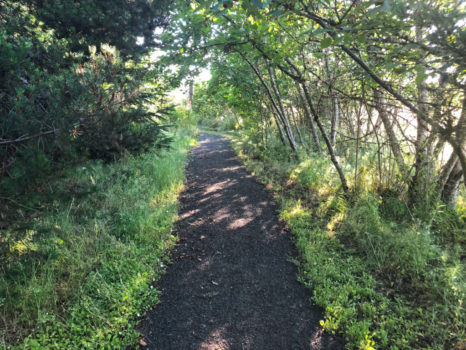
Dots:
{"x": 63, "y": 100}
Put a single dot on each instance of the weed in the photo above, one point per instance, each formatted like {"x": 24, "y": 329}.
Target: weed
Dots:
{"x": 384, "y": 278}
{"x": 81, "y": 272}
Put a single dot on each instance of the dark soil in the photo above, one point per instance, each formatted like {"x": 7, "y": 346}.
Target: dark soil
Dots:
{"x": 232, "y": 284}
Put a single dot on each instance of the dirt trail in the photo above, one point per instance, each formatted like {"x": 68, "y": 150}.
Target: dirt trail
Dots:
{"x": 231, "y": 284}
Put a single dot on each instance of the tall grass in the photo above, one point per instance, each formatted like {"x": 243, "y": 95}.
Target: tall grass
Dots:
{"x": 81, "y": 271}
{"x": 385, "y": 278}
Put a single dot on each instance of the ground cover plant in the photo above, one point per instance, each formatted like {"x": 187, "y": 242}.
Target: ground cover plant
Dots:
{"x": 384, "y": 281}
{"x": 91, "y": 251}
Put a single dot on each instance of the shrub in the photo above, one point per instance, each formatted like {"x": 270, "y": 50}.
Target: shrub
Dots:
{"x": 61, "y": 102}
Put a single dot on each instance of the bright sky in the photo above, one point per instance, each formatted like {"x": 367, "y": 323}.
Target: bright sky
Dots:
{"x": 181, "y": 93}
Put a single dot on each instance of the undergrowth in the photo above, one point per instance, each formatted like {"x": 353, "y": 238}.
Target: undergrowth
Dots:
{"x": 80, "y": 270}
{"x": 384, "y": 278}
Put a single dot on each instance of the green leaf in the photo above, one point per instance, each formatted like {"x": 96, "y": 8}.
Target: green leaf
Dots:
{"x": 215, "y": 8}
{"x": 387, "y": 4}
{"x": 410, "y": 46}
{"x": 276, "y": 13}
{"x": 319, "y": 31}
{"x": 326, "y": 42}
{"x": 257, "y": 3}
{"x": 361, "y": 38}
{"x": 420, "y": 78}
{"x": 391, "y": 65}
{"x": 347, "y": 39}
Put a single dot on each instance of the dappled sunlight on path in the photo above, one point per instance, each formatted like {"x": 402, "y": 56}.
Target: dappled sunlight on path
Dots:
{"x": 231, "y": 284}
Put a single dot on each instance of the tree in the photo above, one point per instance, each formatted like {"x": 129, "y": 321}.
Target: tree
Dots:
{"x": 308, "y": 42}
{"x": 66, "y": 94}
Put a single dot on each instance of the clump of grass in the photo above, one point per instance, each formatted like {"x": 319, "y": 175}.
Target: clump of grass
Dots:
{"x": 84, "y": 269}
{"x": 384, "y": 278}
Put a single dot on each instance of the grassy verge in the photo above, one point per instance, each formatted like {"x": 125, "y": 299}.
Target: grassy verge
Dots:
{"x": 218, "y": 133}
{"x": 384, "y": 279}
{"x": 80, "y": 270}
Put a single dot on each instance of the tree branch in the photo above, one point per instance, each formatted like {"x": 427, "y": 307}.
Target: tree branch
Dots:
{"x": 25, "y": 138}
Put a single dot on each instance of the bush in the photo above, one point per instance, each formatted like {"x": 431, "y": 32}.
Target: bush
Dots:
{"x": 59, "y": 105}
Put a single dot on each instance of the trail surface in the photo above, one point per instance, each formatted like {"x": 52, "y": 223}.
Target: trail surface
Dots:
{"x": 232, "y": 284}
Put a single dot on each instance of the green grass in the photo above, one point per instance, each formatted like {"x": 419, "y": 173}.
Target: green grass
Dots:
{"x": 384, "y": 279}
{"x": 81, "y": 270}
{"x": 214, "y": 132}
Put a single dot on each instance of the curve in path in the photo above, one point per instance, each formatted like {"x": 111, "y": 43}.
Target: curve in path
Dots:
{"x": 231, "y": 284}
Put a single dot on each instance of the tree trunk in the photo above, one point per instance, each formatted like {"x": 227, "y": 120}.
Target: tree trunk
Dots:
{"x": 335, "y": 111}
{"x": 311, "y": 121}
{"x": 375, "y": 128}
{"x": 452, "y": 185}
{"x": 334, "y": 159}
{"x": 453, "y": 171}
{"x": 300, "y": 80}
{"x": 189, "y": 104}
{"x": 300, "y": 136}
{"x": 279, "y": 126}
{"x": 392, "y": 139}
{"x": 335, "y": 119}
{"x": 272, "y": 101}
{"x": 286, "y": 122}
{"x": 419, "y": 186}
{"x": 455, "y": 142}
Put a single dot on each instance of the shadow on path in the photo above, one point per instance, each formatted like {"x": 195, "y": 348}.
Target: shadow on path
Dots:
{"x": 231, "y": 284}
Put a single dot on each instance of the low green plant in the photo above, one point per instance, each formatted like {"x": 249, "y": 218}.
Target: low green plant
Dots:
{"x": 384, "y": 278}
{"x": 81, "y": 270}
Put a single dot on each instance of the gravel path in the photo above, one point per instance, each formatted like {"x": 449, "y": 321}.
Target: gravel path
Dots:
{"x": 232, "y": 284}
